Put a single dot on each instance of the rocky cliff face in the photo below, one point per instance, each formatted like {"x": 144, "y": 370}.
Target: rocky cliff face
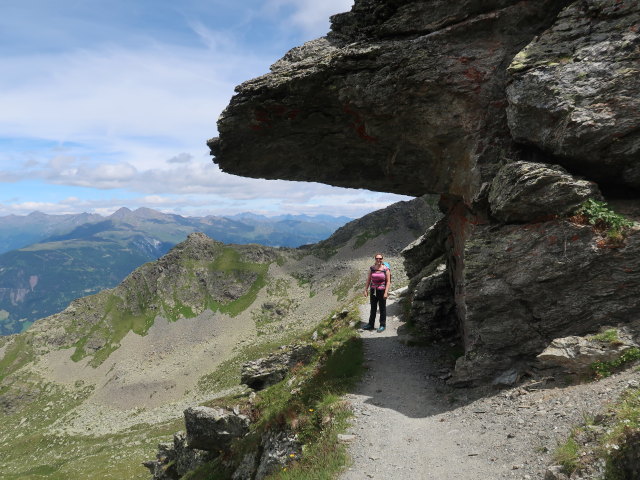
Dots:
{"x": 483, "y": 103}
{"x": 413, "y": 90}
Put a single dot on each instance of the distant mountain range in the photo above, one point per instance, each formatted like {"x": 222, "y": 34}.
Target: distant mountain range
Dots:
{"x": 46, "y": 261}
{"x": 89, "y": 392}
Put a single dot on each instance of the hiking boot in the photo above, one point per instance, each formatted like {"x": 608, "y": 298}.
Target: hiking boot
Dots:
{"x": 367, "y": 327}
{"x": 381, "y": 329}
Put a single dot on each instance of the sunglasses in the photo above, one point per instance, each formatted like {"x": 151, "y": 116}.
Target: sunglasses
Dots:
{"x": 378, "y": 258}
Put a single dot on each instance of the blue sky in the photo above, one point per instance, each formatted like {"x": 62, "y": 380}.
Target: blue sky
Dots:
{"x": 106, "y": 104}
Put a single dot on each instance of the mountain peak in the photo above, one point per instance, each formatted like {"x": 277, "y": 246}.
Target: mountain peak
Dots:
{"x": 121, "y": 213}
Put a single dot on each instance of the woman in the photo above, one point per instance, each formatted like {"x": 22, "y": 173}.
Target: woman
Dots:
{"x": 377, "y": 287}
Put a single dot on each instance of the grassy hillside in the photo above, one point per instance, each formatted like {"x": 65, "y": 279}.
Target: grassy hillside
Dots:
{"x": 80, "y": 259}
{"x": 90, "y": 391}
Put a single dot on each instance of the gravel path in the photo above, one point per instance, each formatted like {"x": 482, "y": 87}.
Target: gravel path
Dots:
{"x": 410, "y": 425}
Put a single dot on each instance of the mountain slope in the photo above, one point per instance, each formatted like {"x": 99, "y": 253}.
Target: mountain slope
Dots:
{"x": 20, "y": 231}
{"x": 40, "y": 279}
{"x": 173, "y": 334}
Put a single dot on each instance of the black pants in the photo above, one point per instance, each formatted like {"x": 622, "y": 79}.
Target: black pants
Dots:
{"x": 376, "y": 298}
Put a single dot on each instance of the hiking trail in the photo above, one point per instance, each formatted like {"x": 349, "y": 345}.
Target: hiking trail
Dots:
{"x": 408, "y": 424}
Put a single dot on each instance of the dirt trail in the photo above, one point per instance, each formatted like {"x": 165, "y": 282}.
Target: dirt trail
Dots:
{"x": 410, "y": 425}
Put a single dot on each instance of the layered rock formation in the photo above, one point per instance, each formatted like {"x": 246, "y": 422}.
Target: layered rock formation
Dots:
{"x": 574, "y": 91}
{"x": 483, "y": 103}
{"x": 410, "y": 90}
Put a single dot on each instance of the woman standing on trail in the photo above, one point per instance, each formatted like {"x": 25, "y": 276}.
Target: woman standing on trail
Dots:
{"x": 377, "y": 288}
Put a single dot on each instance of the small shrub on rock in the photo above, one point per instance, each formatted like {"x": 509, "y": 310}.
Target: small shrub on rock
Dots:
{"x": 604, "y": 220}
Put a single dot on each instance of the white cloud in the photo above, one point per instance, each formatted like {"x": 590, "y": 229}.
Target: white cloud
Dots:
{"x": 353, "y": 203}
{"x": 311, "y": 16}
{"x": 181, "y": 158}
{"x": 116, "y": 101}
{"x": 131, "y": 118}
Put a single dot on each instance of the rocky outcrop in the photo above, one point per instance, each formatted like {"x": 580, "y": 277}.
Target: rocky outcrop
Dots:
{"x": 515, "y": 112}
{"x": 626, "y": 460}
{"x": 277, "y": 449}
{"x": 415, "y": 216}
{"x": 421, "y": 255}
{"x": 174, "y": 460}
{"x": 526, "y": 191}
{"x": 524, "y": 285}
{"x": 404, "y": 97}
{"x": 261, "y": 373}
{"x": 210, "y": 432}
{"x": 213, "y": 429}
{"x": 432, "y": 305}
{"x": 574, "y": 91}
{"x": 577, "y": 354}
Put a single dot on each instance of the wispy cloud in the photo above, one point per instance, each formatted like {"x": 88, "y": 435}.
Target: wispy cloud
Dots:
{"x": 114, "y": 104}
{"x": 98, "y": 95}
{"x": 310, "y": 16}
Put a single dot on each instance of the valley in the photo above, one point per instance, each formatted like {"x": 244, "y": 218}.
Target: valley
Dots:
{"x": 108, "y": 378}
{"x": 79, "y": 255}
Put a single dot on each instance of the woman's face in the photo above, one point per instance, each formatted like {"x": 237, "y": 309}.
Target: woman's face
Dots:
{"x": 378, "y": 259}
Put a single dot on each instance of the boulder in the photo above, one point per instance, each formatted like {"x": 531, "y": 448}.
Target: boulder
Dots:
{"x": 625, "y": 462}
{"x": 577, "y": 354}
{"x": 174, "y": 460}
{"x": 278, "y": 448}
{"x": 432, "y": 306}
{"x": 213, "y": 429}
{"x": 527, "y": 191}
{"x": 270, "y": 370}
{"x": 574, "y": 91}
{"x": 404, "y": 97}
{"x": 426, "y": 249}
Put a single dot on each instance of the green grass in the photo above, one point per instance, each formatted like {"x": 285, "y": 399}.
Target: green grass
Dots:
{"x": 230, "y": 261}
{"x": 17, "y": 354}
{"x": 606, "y": 369}
{"x": 613, "y": 437}
{"x": 309, "y": 403}
{"x": 345, "y": 285}
{"x": 116, "y": 323}
{"x": 624, "y": 434}
{"x": 324, "y": 252}
{"x": 604, "y": 220}
{"x": 566, "y": 455}
{"x": 627, "y": 414}
{"x": 128, "y": 307}
{"x": 608, "y": 336}
{"x": 30, "y": 449}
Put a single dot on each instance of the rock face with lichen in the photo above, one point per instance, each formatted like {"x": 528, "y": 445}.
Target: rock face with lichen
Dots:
{"x": 413, "y": 90}
{"x": 515, "y": 112}
{"x": 574, "y": 91}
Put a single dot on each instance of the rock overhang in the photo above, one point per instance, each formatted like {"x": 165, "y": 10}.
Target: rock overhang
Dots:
{"x": 439, "y": 104}
{"x": 421, "y": 111}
